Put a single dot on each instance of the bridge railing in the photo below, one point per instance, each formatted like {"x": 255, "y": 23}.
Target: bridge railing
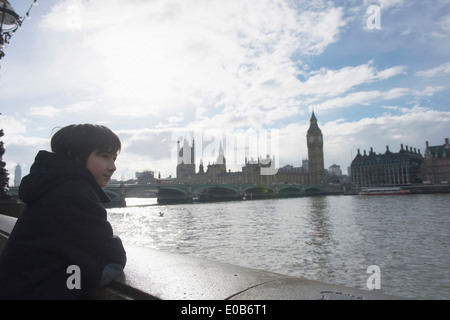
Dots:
{"x": 155, "y": 274}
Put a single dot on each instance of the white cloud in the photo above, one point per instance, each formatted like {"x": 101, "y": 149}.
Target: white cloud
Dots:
{"x": 444, "y": 23}
{"x": 428, "y": 91}
{"x": 44, "y": 111}
{"x": 12, "y": 126}
{"x": 443, "y": 29}
{"x": 334, "y": 82}
{"x": 177, "y": 118}
{"x": 361, "y": 98}
{"x": 439, "y": 70}
{"x": 81, "y": 106}
{"x": 154, "y": 57}
{"x": 342, "y": 139}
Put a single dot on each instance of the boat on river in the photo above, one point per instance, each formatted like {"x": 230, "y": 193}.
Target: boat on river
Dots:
{"x": 383, "y": 191}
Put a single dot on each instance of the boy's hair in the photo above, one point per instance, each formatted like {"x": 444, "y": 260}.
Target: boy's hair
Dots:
{"x": 78, "y": 141}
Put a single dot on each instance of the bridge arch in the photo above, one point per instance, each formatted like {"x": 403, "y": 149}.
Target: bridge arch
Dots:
{"x": 115, "y": 197}
{"x": 170, "y": 194}
{"x": 312, "y": 190}
{"x": 133, "y": 192}
{"x": 291, "y": 187}
{"x": 206, "y": 193}
{"x": 255, "y": 192}
{"x": 290, "y": 191}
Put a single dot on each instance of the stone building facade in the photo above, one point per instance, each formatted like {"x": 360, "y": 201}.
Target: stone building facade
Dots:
{"x": 388, "y": 169}
{"x": 436, "y": 164}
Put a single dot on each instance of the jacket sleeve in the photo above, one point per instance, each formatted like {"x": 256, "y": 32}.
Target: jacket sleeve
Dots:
{"x": 88, "y": 237}
{"x": 110, "y": 272}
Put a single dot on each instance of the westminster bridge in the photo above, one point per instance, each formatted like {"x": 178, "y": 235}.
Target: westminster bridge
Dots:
{"x": 186, "y": 193}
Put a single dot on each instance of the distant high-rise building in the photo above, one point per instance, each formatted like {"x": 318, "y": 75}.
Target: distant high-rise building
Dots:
{"x": 335, "y": 170}
{"x": 145, "y": 177}
{"x": 17, "y": 175}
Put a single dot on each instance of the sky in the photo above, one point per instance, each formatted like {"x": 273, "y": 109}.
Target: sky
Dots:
{"x": 244, "y": 74}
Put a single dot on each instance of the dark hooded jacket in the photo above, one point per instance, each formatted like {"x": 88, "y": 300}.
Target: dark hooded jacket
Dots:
{"x": 62, "y": 246}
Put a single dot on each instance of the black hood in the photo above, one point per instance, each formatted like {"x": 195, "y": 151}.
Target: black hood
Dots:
{"x": 50, "y": 169}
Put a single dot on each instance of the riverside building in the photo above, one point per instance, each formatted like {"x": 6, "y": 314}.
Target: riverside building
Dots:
{"x": 388, "y": 169}
{"x": 436, "y": 165}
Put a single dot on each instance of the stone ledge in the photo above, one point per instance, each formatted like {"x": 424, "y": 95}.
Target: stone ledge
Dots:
{"x": 163, "y": 275}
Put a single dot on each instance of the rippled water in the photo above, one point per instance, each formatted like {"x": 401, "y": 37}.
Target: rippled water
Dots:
{"x": 332, "y": 239}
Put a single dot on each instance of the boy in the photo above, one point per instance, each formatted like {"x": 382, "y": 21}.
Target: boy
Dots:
{"x": 62, "y": 246}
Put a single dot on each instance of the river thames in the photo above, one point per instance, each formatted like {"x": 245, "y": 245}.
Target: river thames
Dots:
{"x": 333, "y": 239}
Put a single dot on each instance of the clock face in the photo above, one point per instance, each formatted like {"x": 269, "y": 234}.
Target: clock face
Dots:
{"x": 320, "y": 139}
{"x": 311, "y": 139}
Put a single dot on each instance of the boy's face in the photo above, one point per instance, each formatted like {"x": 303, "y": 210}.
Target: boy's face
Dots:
{"x": 102, "y": 166}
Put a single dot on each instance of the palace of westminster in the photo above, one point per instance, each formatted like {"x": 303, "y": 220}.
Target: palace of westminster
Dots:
{"x": 408, "y": 166}
{"x": 311, "y": 173}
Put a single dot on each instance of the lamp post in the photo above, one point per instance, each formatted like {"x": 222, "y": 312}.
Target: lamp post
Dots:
{"x": 10, "y": 21}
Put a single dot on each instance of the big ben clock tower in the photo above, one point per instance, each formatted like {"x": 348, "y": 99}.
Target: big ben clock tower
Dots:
{"x": 314, "y": 139}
